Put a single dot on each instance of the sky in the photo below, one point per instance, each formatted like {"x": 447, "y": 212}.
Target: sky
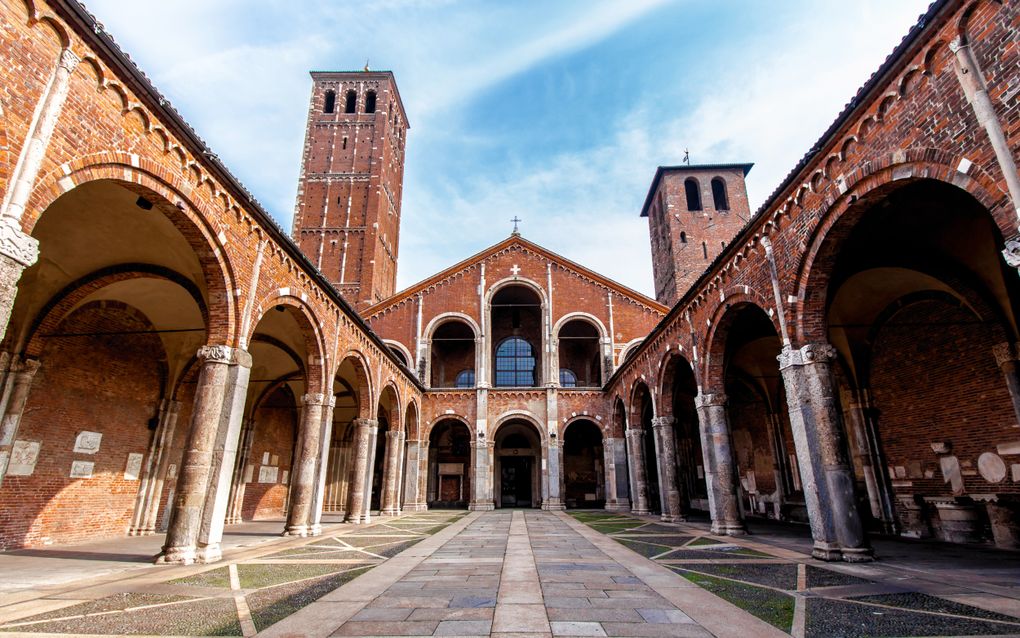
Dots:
{"x": 556, "y": 112}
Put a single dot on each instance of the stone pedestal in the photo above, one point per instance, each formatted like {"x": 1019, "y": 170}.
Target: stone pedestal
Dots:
{"x": 825, "y": 471}
{"x": 364, "y": 432}
{"x": 669, "y": 487}
{"x": 720, "y": 468}
{"x": 303, "y": 475}
{"x": 638, "y": 482}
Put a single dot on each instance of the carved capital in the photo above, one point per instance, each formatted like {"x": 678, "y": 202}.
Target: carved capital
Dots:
{"x": 1012, "y": 253}
{"x": 27, "y": 368}
{"x": 662, "y": 421}
{"x": 811, "y": 353}
{"x": 635, "y": 433}
{"x": 1004, "y": 352}
{"x": 365, "y": 423}
{"x": 711, "y": 399}
{"x": 215, "y": 354}
{"x": 16, "y": 245}
{"x": 317, "y": 398}
{"x": 393, "y": 434}
{"x": 68, "y": 60}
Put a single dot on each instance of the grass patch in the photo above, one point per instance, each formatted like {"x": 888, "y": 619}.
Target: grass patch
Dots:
{"x": 703, "y": 541}
{"x": 269, "y": 606}
{"x": 266, "y": 575}
{"x": 778, "y": 576}
{"x": 212, "y": 578}
{"x": 771, "y": 606}
{"x": 645, "y": 549}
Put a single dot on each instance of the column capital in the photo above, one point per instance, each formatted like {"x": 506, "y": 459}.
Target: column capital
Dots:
{"x": 365, "y": 423}
{"x": 223, "y": 354}
{"x": 710, "y": 399}
{"x": 16, "y": 245}
{"x": 663, "y": 421}
{"x": 1012, "y": 251}
{"x": 393, "y": 434}
{"x": 319, "y": 398}
{"x": 68, "y": 60}
{"x": 26, "y": 368}
{"x": 1005, "y": 352}
{"x": 806, "y": 355}
{"x": 634, "y": 432}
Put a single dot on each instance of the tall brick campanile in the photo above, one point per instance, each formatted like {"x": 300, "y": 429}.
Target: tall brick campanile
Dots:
{"x": 693, "y": 212}
{"x": 347, "y": 217}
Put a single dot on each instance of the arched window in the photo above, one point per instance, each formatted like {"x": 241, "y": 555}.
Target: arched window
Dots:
{"x": 330, "y": 102}
{"x": 567, "y": 378}
{"x": 465, "y": 379}
{"x": 693, "y": 190}
{"x": 719, "y": 194}
{"x": 370, "y": 102}
{"x": 683, "y": 237}
{"x": 515, "y": 363}
{"x": 351, "y": 102}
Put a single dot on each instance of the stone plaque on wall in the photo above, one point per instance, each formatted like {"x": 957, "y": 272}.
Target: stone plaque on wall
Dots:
{"x": 455, "y": 469}
{"x": 133, "y": 468}
{"x": 24, "y": 456}
{"x": 171, "y": 471}
{"x": 274, "y": 459}
{"x": 992, "y": 467}
{"x": 285, "y": 477}
{"x": 87, "y": 442}
{"x": 951, "y": 474}
{"x": 268, "y": 474}
{"x": 82, "y": 469}
{"x": 265, "y": 458}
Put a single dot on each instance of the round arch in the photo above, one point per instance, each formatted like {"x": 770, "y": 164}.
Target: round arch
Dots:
{"x": 311, "y": 332}
{"x": 440, "y": 319}
{"x": 581, "y": 316}
{"x": 366, "y": 396}
{"x": 396, "y": 345}
{"x": 713, "y": 372}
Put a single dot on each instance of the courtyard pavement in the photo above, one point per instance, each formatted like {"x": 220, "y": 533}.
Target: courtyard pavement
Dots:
{"x": 515, "y": 573}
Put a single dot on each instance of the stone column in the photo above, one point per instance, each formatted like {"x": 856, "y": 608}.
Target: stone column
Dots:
{"x": 412, "y": 478}
{"x": 322, "y": 466}
{"x": 148, "y": 473}
{"x": 196, "y": 473}
{"x": 821, "y": 453}
{"x": 390, "y": 501}
{"x": 639, "y": 485}
{"x": 617, "y": 448}
{"x": 720, "y": 468}
{"x": 1006, "y": 358}
{"x": 18, "y": 250}
{"x": 20, "y": 379}
{"x": 554, "y": 500}
{"x": 303, "y": 474}
{"x": 364, "y": 430}
{"x": 669, "y": 487}
{"x": 772, "y": 426}
{"x": 482, "y": 498}
{"x": 238, "y": 486}
{"x": 373, "y": 446}
{"x": 161, "y": 464}
{"x": 879, "y": 499}
{"x": 609, "y": 469}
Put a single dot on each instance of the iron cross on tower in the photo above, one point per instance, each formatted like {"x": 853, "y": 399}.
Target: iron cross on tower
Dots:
{"x": 516, "y": 220}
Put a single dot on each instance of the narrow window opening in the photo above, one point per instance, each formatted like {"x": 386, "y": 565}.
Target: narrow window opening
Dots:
{"x": 351, "y": 103}
{"x": 345, "y": 143}
{"x": 370, "y": 102}
{"x": 683, "y": 237}
{"x": 704, "y": 249}
{"x": 693, "y": 192}
{"x": 330, "y": 104}
{"x": 719, "y": 194}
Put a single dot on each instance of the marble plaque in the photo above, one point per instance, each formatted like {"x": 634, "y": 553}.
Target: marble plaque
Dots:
{"x": 901, "y": 472}
{"x": 992, "y": 467}
{"x": 24, "y": 456}
{"x": 451, "y": 468}
{"x": 133, "y": 468}
{"x": 87, "y": 442}
{"x": 274, "y": 459}
{"x": 1013, "y": 447}
{"x": 951, "y": 473}
{"x": 1016, "y": 472}
{"x": 248, "y": 472}
{"x": 268, "y": 474}
{"x": 285, "y": 477}
{"x": 265, "y": 458}
{"x": 171, "y": 471}
{"x": 914, "y": 470}
{"x": 82, "y": 469}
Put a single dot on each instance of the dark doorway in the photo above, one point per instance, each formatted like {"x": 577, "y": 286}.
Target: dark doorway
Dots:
{"x": 583, "y": 476}
{"x": 515, "y": 481}
{"x": 449, "y": 481}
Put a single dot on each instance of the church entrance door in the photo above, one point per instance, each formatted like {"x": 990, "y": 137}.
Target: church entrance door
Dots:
{"x": 515, "y": 481}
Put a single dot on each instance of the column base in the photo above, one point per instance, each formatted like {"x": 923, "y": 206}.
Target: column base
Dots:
{"x": 829, "y": 552}
{"x": 619, "y": 506}
{"x": 296, "y": 530}
{"x": 355, "y": 519}
{"x": 667, "y": 518}
{"x": 209, "y": 554}
{"x": 858, "y": 554}
{"x": 141, "y": 531}
{"x": 729, "y": 528}
{"x": 640, "y": 512}
{"x": 554, "y": 507}
{"x": 176, "y": 556}
{"x": 416, "y": 507}
{"x": 481, "y": 507}
{"x": 390, "y": 512}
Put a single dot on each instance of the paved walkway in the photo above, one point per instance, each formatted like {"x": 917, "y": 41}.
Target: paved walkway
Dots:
{"x": 521, "y": 573}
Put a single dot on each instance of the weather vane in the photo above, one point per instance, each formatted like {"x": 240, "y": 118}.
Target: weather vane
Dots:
{"x": 687, "y": 157}
{"x": 516, "y": 220}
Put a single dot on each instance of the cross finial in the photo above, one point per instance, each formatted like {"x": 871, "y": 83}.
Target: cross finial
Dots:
{"x": 516, "y": 220}
{"x": 687, "y": 157}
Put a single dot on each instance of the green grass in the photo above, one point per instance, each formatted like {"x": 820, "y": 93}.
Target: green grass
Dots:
{"x": 769, "y": 605}
{"x": 212, "y": 578}
{"x": 704, "y": 540}
{"x": 269, "y": 606}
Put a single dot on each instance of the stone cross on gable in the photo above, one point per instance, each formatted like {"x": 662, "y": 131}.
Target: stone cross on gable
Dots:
{"x": 516, "y": 220}
{"x": 516, "y": 270}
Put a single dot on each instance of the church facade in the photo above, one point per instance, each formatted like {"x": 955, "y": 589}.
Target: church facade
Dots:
{"x": 172, "y": 361}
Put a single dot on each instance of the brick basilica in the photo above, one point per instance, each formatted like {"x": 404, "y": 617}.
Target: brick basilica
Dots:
{"x": 172, "y": 361}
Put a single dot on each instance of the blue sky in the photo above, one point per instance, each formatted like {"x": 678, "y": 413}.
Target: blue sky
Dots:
{"x": 558, "y": 112}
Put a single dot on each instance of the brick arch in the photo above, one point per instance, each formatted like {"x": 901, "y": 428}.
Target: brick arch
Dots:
{"x": 863, "y": 189}
{"x": 311, "y": 330}
{"x": 667, "y": 375}
{"x": 167, "y": 190}
{"x": 366, "y": 403}
{"x": 527, "y": 417}
{"x": 639, "y": 387}
{"x": 712, "y": 378}
{"x": 412, "y": 420}
{"x": 459, "y": 418}
{"x": 394, "y": 413}
{"x": 57, "y": 308}
{"x": 605, "y": 429}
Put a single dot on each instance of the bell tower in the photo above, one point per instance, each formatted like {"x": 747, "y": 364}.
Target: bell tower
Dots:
{"x": 693, "y": 213}
{"x": 347, "y": 216}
